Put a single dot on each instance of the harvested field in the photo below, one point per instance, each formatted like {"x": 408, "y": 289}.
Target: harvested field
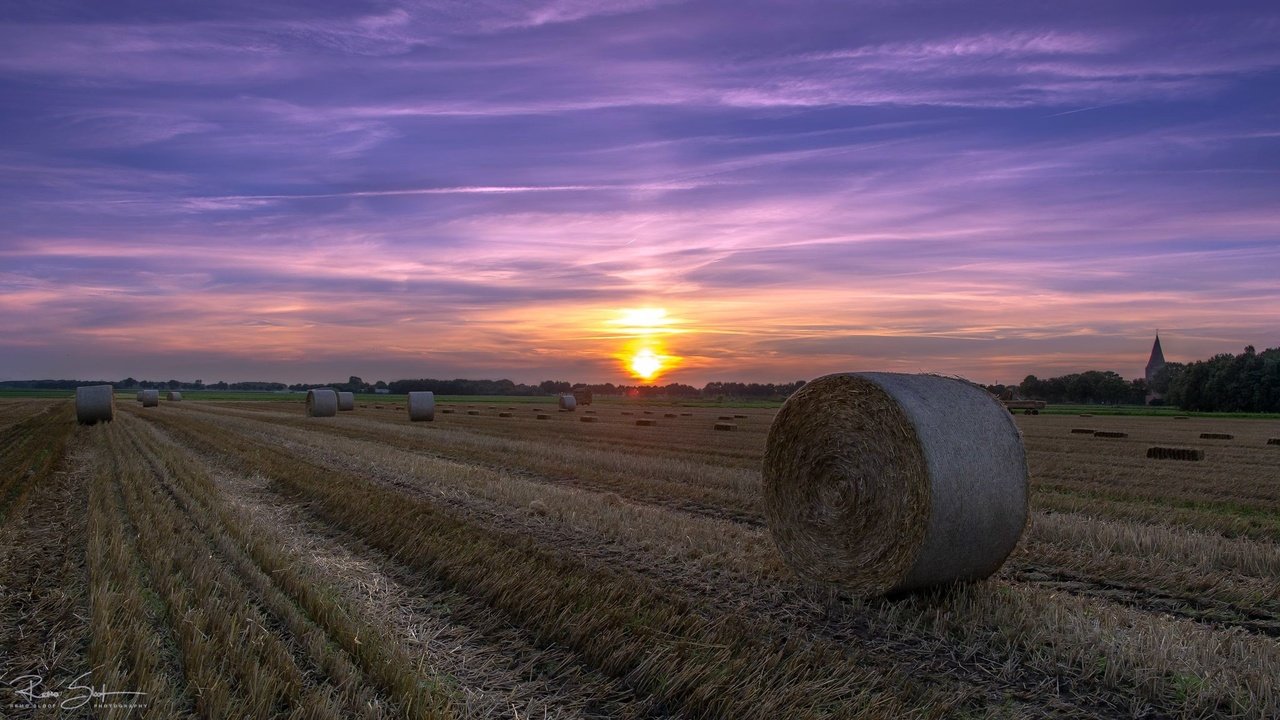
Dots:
{"x": 238, "y": 559}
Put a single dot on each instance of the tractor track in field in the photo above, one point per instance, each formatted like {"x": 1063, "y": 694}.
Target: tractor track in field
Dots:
{"x": 787, "y": 608}
{"x": 1204, "y": 610}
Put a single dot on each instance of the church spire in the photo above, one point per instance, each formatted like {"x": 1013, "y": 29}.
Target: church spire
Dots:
{"x": 1157, "y": 358}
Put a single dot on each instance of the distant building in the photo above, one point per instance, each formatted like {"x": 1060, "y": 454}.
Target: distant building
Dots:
{"x": 1153, "y": 366}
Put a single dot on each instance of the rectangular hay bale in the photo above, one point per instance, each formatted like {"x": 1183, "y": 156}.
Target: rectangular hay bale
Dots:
{"x": 1166, "y": 453}
{"x": 1217, "y": 436}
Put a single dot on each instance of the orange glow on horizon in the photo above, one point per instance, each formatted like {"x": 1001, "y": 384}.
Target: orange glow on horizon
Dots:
{"x": 643, "y": 355}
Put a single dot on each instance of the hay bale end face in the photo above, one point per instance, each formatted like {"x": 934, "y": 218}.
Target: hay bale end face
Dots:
{"x": 1217, "y": 436}
{"x": 346, "y": 401}
{"x": 568, "y": 403}
{"x": 1164, "y": 453}
{"x": 322, "y": 402}
{"x": 886, "y": 482}
{"x": 422, "y": 406}
{"x": 589, "y": 418}
{"x": 95, "y": 404}
{"x": 150, "y": 398}
{"x": 1110, "y": 434}
{"x": 646, "y": 423}
{"x": 726, "y": 426}
{"x": 174, "y": 396}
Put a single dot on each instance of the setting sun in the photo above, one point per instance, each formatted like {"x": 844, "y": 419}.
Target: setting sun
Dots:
{"x": 645, "y": 364}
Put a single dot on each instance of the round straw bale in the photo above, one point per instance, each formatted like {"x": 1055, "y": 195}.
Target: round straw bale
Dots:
{"x": 1217, "y": 436}
{"x": 887, "y": 482}
{"x": 568, "y": 402}
{"x": 589, "y": 418}
{"x": 726, "y": 426}
{"x": 322, "y": 402}
{"x": 95, "y": 403}
{"x": 645, "y": 423}
{"x": 174, "y": 396}
{"x": 422, "y": 406}
{"x": 543, "y": 417}
{"x": 150, "y": 398}
{"x": 139, "y": 396}
{"x": 346, "y": 401}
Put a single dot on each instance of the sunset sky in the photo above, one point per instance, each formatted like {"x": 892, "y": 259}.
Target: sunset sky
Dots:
{"x": 543, "y": 190}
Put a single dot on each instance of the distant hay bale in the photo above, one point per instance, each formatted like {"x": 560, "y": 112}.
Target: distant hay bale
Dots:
{"x": 887, "y": 482}
{"x": 473, "y": 412}
{"x": 725, "y": 417}
{"x": 726, "y": 426}
{"x": 686, "y": 414}
{"x": 447, "y": 411}
{"x": 627, "y": 412}
{"x": 322, "y": 402}
{"x": 648, "y": 412}
{"x": 589, "y": 418}
{"x": 1216, "y": 436}
{"x": 150, "y": 398}
{"x": 739, "y": 417}
{"x": 669, "y": 415}
{"x": 95, "y": 404}
{"x": 543, "y": 417}
{"x": 174, "y": 396}
{"x": 504, "y": 414}
{"x": 1085, "y": 415}
{"x": 1081, "y": 431}
{"x": 422, "y": 406}
{"x": 377, "y": 407}
{"x": 1181, "y": 417}
{"x": 346, "y": 401}
{"x": 1110, "y": 434}
{"x": 568, "y": 403}
{"x": 139, "y": 396}
{"x": 646, "y": 423}
{"x": 1273, "y": 441}
{"x": 589, "y": 412}
{"x": 1165, "y": 453}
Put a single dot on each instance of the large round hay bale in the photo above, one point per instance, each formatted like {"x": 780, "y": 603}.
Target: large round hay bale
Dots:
{"x": 322, "y": 402}
{"x": 346, "y": 401}
{"x": 174, "y": 396}
{"x": 422, "y": 406}
{"x": 95, "y": 403}
{"x": 568, "y": 402}
{"x": 139, "y": 396}
{"x": 150, "y": 398}
{"x": 886, "y": 482}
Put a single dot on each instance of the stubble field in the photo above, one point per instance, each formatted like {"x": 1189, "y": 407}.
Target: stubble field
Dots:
{"x": 237, "y": 559}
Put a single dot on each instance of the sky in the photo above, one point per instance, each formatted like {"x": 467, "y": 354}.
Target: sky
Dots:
{"x": 755, "y": 191}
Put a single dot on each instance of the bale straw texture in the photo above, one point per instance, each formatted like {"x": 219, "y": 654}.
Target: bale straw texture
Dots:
{"x": 1273, "y": 441}
{"x": 1164, "y": 453}
{"x": 174, "y": 396}
{"x": 346, "y": 401}
{"x": 1217, "y": 436}
{"x": 150, "y": 398}
{"x": 886, "y": 482}
{"x": 322, "y": 402}
{"x": 422, "y": 406}
{"x": 568, "y": 402}
{"x": 95, "y": 403}
{"x": 139, "y": 396}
